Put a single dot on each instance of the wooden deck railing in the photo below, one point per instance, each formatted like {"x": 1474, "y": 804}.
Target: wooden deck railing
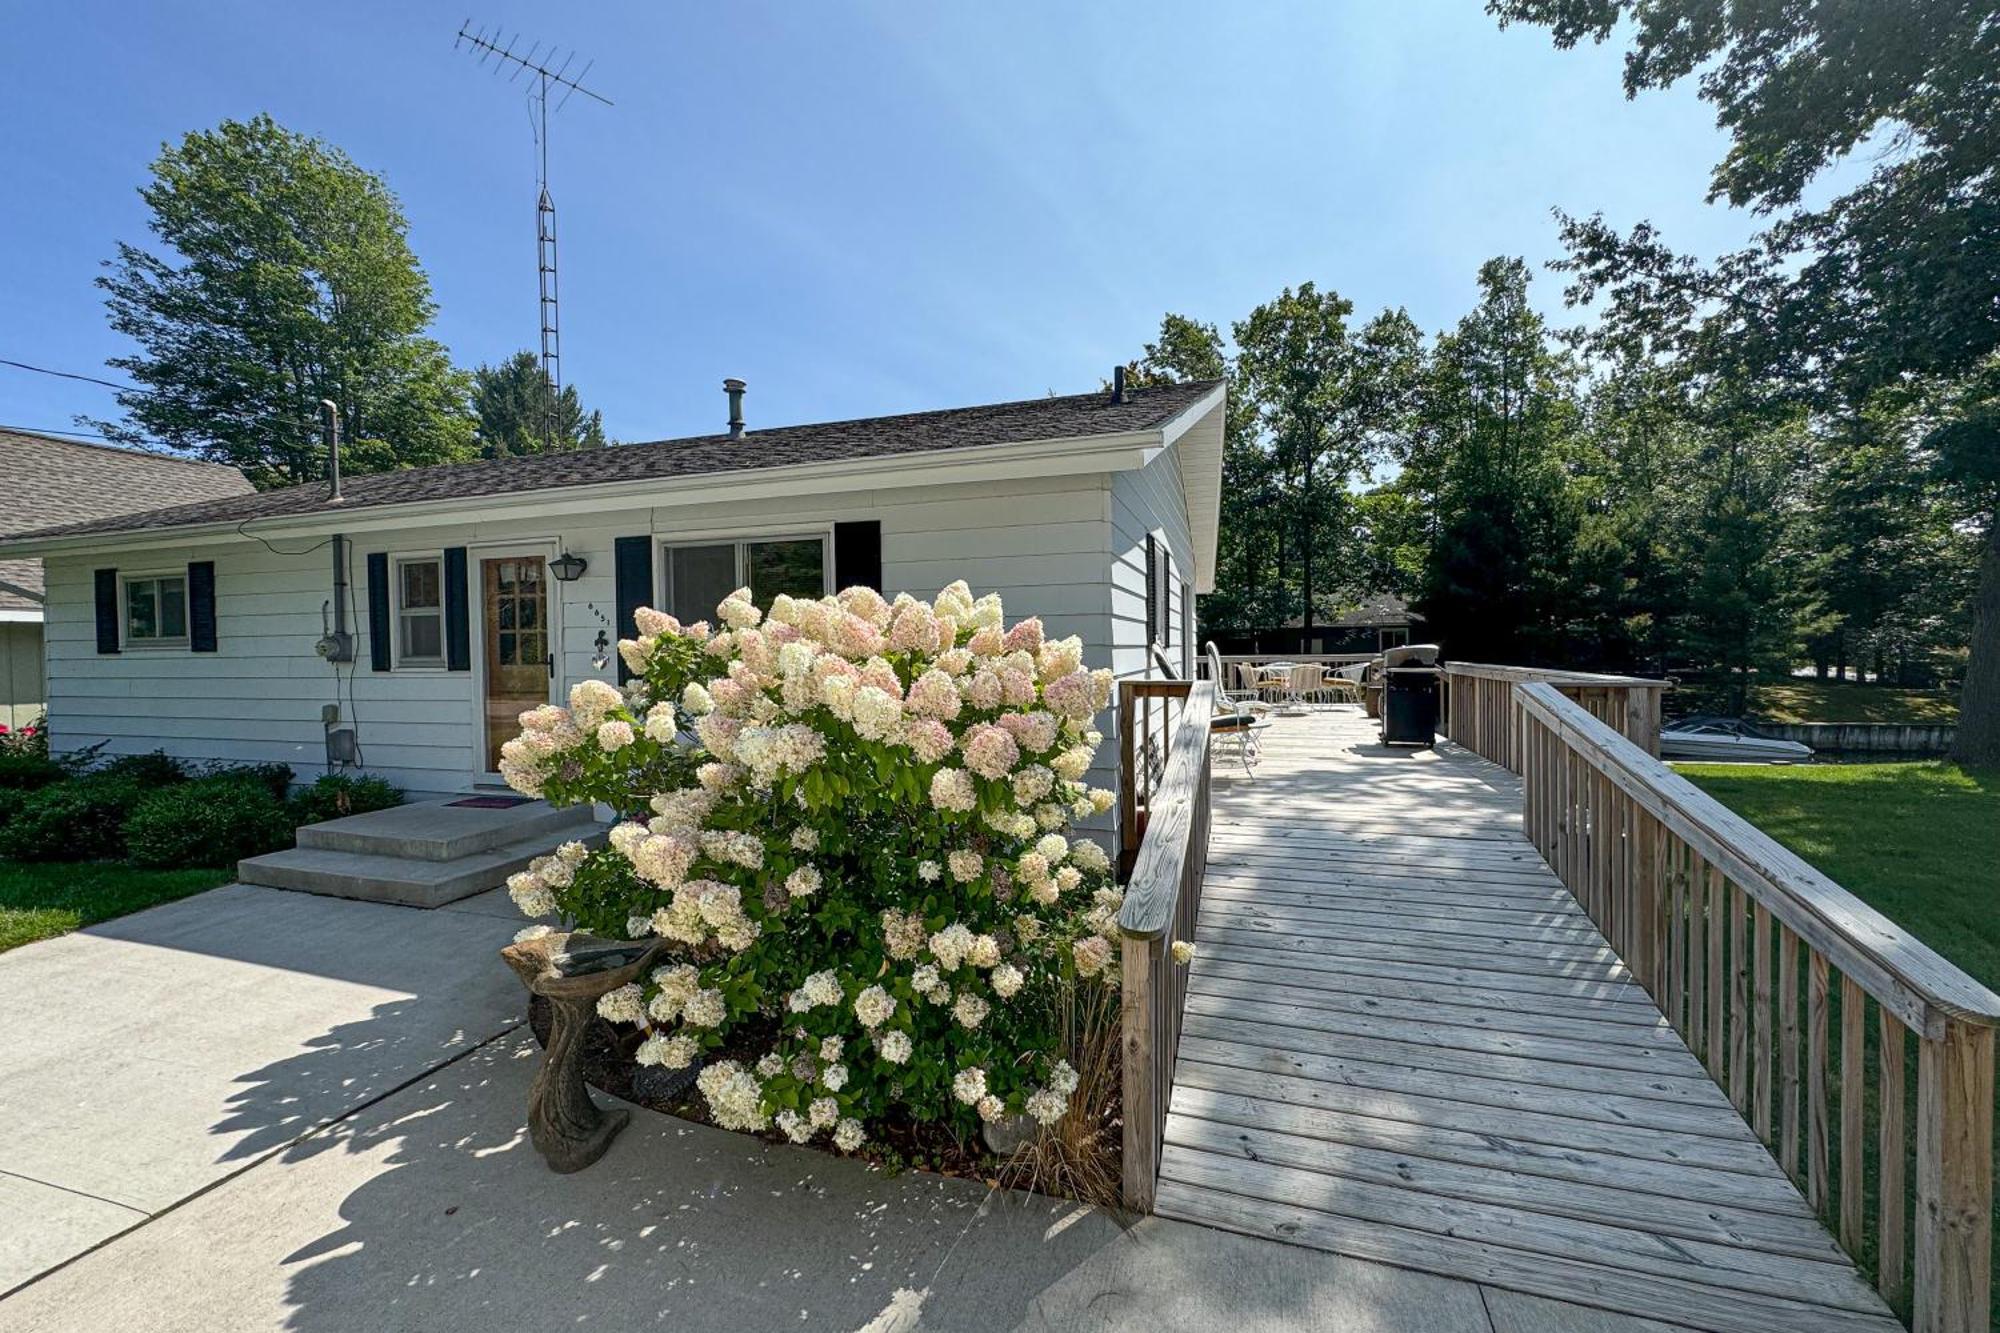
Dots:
{"x": 1480, "y": 713}
{"x": 1712, "y": 916}
{"x": 1166, "y": 822}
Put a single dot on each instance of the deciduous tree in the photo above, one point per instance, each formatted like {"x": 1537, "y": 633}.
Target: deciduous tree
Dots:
{"x": 283, "y": 276}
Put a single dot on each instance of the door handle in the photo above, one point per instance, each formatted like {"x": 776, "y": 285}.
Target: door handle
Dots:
{"x": 552, "y": 666}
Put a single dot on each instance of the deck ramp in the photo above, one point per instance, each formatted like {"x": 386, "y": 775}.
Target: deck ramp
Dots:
{"x": 1405, "y": 1042}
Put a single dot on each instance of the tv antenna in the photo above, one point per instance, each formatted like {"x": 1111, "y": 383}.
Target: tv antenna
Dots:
{"x": 544, "y": 76}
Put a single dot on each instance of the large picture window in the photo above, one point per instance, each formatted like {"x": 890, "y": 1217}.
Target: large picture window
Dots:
{"x": 156, "y": 610}
{"x": 420, "y": 612}
{"x": 701, "y": 574}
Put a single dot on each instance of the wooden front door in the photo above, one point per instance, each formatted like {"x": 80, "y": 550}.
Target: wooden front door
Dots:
{"x": 514, "y": 591}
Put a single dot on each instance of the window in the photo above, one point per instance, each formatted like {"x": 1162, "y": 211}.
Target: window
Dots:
{"x": 156, "y": 610}
{"x": 702, "y": 574}
{"x": 420, "y": 612}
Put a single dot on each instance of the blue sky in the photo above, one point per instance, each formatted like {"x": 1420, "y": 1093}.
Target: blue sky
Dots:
{"x": 858, "y": 208}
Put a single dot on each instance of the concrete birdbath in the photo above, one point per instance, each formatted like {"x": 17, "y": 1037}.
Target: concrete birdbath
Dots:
{"x": 571, "y": 971}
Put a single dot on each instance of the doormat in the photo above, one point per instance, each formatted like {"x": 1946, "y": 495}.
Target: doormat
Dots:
{"x": 490, "y": 802}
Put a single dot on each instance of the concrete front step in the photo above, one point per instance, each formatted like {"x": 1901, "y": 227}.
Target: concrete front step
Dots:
{"x": 443, "y": 831}
{"x": 405, "y": 881}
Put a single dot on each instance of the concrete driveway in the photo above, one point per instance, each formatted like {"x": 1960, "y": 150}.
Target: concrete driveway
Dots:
{"x": 147, "y": 1058}
{"x": 262, "y": 1110}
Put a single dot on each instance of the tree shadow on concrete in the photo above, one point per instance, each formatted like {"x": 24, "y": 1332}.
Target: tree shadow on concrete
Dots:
{"x": 453, "y": 1222}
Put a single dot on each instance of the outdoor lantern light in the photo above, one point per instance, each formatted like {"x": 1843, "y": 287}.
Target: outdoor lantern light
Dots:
{"x": 568, "y": 568}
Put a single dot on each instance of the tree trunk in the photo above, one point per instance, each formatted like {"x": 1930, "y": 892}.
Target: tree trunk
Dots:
{"x": 1977, "y": 743}
{"x": 1306, "y": 540}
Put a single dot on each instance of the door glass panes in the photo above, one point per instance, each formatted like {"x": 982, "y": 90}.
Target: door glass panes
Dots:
{"x": 796, "y": 568}
{"x": 698, "y": 577}
{"x": 517, "y": 645}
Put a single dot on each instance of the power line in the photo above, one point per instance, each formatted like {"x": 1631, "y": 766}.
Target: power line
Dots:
{"x": 256, "y": 419}
{"x": 63, "y": 374}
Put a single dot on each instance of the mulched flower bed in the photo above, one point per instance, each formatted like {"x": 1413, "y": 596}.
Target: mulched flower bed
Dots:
{"x": 894, "y": 1146}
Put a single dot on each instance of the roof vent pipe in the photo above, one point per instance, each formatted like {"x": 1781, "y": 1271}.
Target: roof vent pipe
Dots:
{"x": 734, "y": 388}
{"x": 333, "y": 495}
{"x": 1118, "y": 384}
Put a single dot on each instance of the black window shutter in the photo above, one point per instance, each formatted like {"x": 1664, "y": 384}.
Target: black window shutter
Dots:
{"x": 857, "y": 555}
{"x": 1152, "y": 591}
{"x": 107, "y": 610}
{"x": 378, "y": 611}
{"x": 457, "y": 625}
{"x": 632, "y": 571}
{"x": 201, "y": 606}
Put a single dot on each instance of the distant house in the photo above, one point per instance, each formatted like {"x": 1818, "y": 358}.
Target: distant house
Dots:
{"x": 404, "y": 627}
{"x": 44, "y": 482}
{"x": 1382, "y": 620}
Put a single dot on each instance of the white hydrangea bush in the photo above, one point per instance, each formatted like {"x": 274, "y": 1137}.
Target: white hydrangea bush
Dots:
{"x": 851, "y": 823}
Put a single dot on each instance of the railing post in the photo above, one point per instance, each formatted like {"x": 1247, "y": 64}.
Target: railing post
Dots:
{"x": 1141, "y": 1104}
{"x": 1128, "y": 785}
{"x": 1954, "y": 1179}
{"x": 1642, "y": 719}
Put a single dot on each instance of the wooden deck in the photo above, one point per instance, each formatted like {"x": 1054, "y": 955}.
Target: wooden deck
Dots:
{"x": 1405, "y": 1042}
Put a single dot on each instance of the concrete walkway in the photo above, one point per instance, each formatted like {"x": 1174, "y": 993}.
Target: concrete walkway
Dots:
{"x": 271, "y": 1111}
{"x": 146, "y": 1059}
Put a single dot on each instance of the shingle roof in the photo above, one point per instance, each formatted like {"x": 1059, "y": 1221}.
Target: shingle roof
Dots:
{"x": 48, "y": 481}
{"x": 1050, "y": 418}
{"x": 1379, "y": 609}
{"x": 20, "y": 585}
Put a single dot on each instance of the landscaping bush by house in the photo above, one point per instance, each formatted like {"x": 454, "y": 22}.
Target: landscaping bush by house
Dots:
{"x": 862, "y": 867}
{"x": 79, "y": 819}
{"x": 337, "y": 795}
{"x": 274, "y": 778}
{"x": 154, "y": 769}
{"x": 212, "y": 821}
{"x": 161, "y": 811}
{"x": 24, "y": 760}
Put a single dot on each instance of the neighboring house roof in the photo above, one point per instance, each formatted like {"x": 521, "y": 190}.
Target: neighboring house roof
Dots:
{"x": 1380, "y": 609}
{"x": 46, "y": 481}
{"x": 1036, "y": 419}
{"x": 1377, "y": 611}
{"x": 20, "y": 585}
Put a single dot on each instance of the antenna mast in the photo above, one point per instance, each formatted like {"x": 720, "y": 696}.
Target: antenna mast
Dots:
{"x": 543, "y": 74}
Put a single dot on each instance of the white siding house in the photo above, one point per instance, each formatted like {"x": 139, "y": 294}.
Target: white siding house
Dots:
{"x": 459, "y": 617}
{"x": 45, "y": 481}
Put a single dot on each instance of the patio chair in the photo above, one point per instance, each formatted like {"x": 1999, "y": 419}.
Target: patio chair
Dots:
{"x": 1306, "y": 684}
{"x": 1235, "y": 726}
{"x": 1235, "y": 687}
{"x": 1274, "y": 681}
{"x": 1340, "y": 686}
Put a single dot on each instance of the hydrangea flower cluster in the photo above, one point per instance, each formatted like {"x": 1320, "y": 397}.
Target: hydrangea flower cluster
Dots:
{"x": 849, "y": 819}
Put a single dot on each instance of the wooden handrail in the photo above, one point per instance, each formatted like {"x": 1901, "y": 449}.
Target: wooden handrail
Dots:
{"x": 1157, "y": 873}
{"x": 1711, "y": 915}
{"x": 1492, "y": 671}
{"x": 1899, "y": 970}
{"x": 1162, "y": 903}
{"x": 1480, "y": 713}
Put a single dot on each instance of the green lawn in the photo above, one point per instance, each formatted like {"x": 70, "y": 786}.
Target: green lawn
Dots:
{"x": 40, "y": 901}
{"x": 1835, "y": 701}
{"x": 1919, "y": 842}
